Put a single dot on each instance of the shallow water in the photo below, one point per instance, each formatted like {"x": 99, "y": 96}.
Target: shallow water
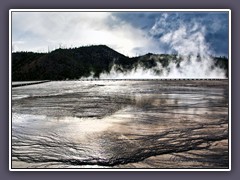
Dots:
{"x": 120, "y": 124}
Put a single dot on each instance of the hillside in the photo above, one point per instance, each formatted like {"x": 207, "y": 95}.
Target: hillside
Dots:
{"x": 81, "y": 62}
{"x": 64, "y": 63}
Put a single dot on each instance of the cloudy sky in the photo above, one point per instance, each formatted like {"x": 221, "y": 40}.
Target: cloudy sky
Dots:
{"x": 130, "y": 33}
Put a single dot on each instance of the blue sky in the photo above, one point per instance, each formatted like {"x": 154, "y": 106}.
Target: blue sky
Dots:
{"x": 130, "y": 33}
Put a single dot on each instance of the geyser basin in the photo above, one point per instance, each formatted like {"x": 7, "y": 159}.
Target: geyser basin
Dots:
{"x": 121, "y": 124}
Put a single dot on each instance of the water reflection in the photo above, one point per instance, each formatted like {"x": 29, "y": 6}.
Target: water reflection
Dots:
{"x": 120, "y": 124}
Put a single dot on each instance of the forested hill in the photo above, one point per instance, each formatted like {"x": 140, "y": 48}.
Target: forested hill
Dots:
{"x": 85, "y": 61}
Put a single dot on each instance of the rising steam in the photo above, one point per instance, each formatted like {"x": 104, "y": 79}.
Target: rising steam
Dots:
{"x": 187, "y": 40}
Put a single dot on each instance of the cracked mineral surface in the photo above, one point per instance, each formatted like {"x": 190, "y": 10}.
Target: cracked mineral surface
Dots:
{"x": 121, "y": 124}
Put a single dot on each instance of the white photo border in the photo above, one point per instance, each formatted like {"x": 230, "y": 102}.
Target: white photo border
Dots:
{"x": 116, "y": 10}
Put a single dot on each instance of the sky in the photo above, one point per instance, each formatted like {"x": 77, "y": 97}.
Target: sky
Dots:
{"x": 130, "y": 33}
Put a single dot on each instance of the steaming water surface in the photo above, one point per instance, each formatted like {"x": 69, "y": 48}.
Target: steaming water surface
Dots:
{"x": 120, "y": 124}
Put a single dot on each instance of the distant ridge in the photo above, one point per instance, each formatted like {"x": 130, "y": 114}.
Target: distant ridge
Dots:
{"x": 82, "y": 62}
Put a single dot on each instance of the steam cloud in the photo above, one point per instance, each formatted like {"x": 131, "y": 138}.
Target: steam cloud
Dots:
{"x": 187, "y": 40}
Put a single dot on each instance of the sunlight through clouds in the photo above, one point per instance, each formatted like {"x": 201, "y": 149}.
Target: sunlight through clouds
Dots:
{"x": 130, "y": 33}
{"x": 40, "y": 31}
